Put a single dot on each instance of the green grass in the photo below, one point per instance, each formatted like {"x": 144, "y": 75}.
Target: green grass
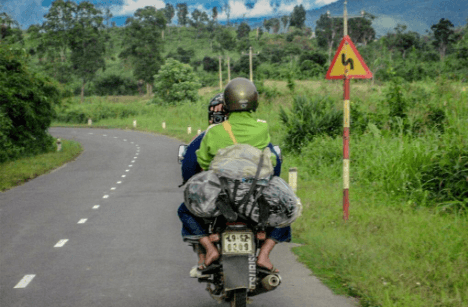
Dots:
{"x": 22, "y": 170}
{"x": 394, "y": 250}
{"x": 386, "y": 254}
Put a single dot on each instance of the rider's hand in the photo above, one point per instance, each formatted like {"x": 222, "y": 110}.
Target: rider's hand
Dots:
{"x": 216, "y": 108}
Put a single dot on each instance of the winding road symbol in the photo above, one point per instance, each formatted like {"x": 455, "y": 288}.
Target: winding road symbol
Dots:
{"x": 348, "y": 63}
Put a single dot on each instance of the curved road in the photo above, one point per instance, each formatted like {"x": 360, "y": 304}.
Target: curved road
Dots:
{"x": 103, "y": 231}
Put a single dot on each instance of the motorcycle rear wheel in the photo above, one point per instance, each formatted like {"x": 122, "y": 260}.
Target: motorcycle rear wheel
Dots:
{"x": 240, "y": 298}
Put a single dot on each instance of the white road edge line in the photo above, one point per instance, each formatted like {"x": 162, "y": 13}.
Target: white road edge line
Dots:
{"x": 61, "y": 243}
{"x": 82, "y": 221}
{"x": 23, "y": 283}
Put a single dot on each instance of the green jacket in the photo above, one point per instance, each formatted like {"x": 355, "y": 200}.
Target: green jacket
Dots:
{"x": 246, "y": 130}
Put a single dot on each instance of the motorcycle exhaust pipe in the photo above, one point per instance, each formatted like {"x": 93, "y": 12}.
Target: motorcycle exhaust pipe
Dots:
{"x": 270, "y": 282}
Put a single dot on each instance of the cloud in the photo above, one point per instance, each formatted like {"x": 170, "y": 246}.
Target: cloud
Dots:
{"x": 129, "y": 7}
{"x": 25, "y": 12}
{"x": 263, "y": 8}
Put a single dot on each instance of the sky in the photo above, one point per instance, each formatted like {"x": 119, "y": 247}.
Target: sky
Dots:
{"x": 28, "y": 12}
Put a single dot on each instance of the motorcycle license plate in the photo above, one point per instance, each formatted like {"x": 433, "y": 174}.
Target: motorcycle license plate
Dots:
{"x": 237, "y": 243}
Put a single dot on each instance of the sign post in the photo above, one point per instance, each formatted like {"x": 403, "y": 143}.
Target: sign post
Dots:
{"x": 347, "y": 64}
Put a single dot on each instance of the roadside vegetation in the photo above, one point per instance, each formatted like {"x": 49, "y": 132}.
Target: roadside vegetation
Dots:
{"x": 17, "y": 172}
{"x": 404, "y": 244}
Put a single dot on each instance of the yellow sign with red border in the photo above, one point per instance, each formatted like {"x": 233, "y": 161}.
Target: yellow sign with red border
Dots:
{"x": 348, "y": 63}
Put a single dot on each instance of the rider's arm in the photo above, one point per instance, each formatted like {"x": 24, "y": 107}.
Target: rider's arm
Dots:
{"x": 190, "y": 165}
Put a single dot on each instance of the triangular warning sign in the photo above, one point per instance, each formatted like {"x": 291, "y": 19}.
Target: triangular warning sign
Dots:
{"x": 348, "y": 61}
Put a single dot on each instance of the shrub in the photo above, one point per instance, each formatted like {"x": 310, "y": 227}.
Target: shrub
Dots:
{"x": 309, "y": 118}
{"x": 210, "y": 64}
{"x": 175, "y": 82}
{"x": 115, "y": 85}
{"x": 26, "y": 111}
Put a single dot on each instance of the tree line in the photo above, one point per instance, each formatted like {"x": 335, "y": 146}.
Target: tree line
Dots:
{"x": 76, "y": 41}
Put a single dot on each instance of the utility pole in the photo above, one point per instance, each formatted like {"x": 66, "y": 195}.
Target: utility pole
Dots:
{"x": 229, "y": 68}
{"x": 250, "y": 61}
{"x": 220, "y": 75}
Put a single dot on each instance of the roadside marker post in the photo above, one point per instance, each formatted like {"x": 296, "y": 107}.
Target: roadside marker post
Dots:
{"x": 293, "y": 178}
{"x": 347, "y": 64}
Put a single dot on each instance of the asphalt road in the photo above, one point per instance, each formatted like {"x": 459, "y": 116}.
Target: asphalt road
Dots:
{"x": 103, "y": 231}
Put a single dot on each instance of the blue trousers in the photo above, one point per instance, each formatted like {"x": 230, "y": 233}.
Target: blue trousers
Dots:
{"x": 194, "y": 228}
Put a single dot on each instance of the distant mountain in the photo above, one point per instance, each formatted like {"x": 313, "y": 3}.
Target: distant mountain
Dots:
{"x": 418, "y": 15}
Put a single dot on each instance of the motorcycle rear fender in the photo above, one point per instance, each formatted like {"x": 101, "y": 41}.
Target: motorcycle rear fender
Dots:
{"x": 239, "y": 272}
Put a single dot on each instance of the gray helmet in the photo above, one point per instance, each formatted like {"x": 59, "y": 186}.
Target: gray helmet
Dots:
{"x": 240, "y": 95}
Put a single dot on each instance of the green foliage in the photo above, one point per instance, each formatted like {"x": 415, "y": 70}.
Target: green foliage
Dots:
{"x": 26, "y": 101}
{"x": 175, "y": 82}
{"x": 210, "y": 64}
{"x": 87, "y": 42}
{"x": 242, "y": 66}
{"x": 115, "y": 85}
{"x": 444, "y": 35}
{"x": 243, "y": 30}
{"x": 143, "y": 43}
{"x": 226, "y": 39}
{"x": 182, "y": 55}
{"x": 309, "y": 118}
{"x": 182, "y": 12}
{"x": 445, "y": 176}
{"x": 79, "y": 113}
{"x": 10, "y": 31}
{"x": 298, "y": 16}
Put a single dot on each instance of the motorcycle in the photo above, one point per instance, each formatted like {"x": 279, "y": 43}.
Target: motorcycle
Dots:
{"x": 235, "y": 276}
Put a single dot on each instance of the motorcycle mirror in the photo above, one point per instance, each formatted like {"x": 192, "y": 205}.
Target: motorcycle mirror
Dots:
{"x": 278, "y": 151}
{"x": 182, "y": 150}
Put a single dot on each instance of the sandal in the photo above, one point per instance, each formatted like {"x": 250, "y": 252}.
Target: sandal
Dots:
{"x": 196, "y": 273}
{"x": 266, "y": 270}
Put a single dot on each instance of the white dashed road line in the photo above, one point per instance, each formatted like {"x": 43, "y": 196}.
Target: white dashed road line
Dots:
{"x": 105, "y": 196}
{"x": 119, "y": 182}
{"x": 96, "y": 207}
{"x": 113, "y": 188}
{"x": 82, "y": 221}
{"x": 61, "y": 243}
{"x": 123, "y": 176}
{"x": 23, "y": 283}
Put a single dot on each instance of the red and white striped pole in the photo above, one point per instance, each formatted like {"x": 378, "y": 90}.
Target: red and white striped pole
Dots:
{"x": 346, "y": 124}
{"x": 346, "y": 149}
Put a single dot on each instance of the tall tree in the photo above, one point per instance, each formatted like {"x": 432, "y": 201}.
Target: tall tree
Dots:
{"x": 275, "y": 24}
{"x": 360, "y": 29}
{"x": 9, "y": 29}
{"x": 87, "y": 43}
{"x": 328, "y": 32}
{"x": 108, "y": 16}
{"x": 182, "y": 12}
{"x": 243, "y": 30}
{"x": 443, "y": 34}
{"x": 298, "y": 17}
{"x": 169, "y": 12}
{"x": 402, "y": 40}
{"x": 227, "y": 10}
{"x": 57, "y": 25}
{"x": 143, "y": 43}
{"x": 267, "y": 24}
{"x": 214, "y": 14}
{"x": 285, "y": 20}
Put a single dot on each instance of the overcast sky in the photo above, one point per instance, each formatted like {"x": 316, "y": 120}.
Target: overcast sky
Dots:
{"x": 28, "y": 12}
